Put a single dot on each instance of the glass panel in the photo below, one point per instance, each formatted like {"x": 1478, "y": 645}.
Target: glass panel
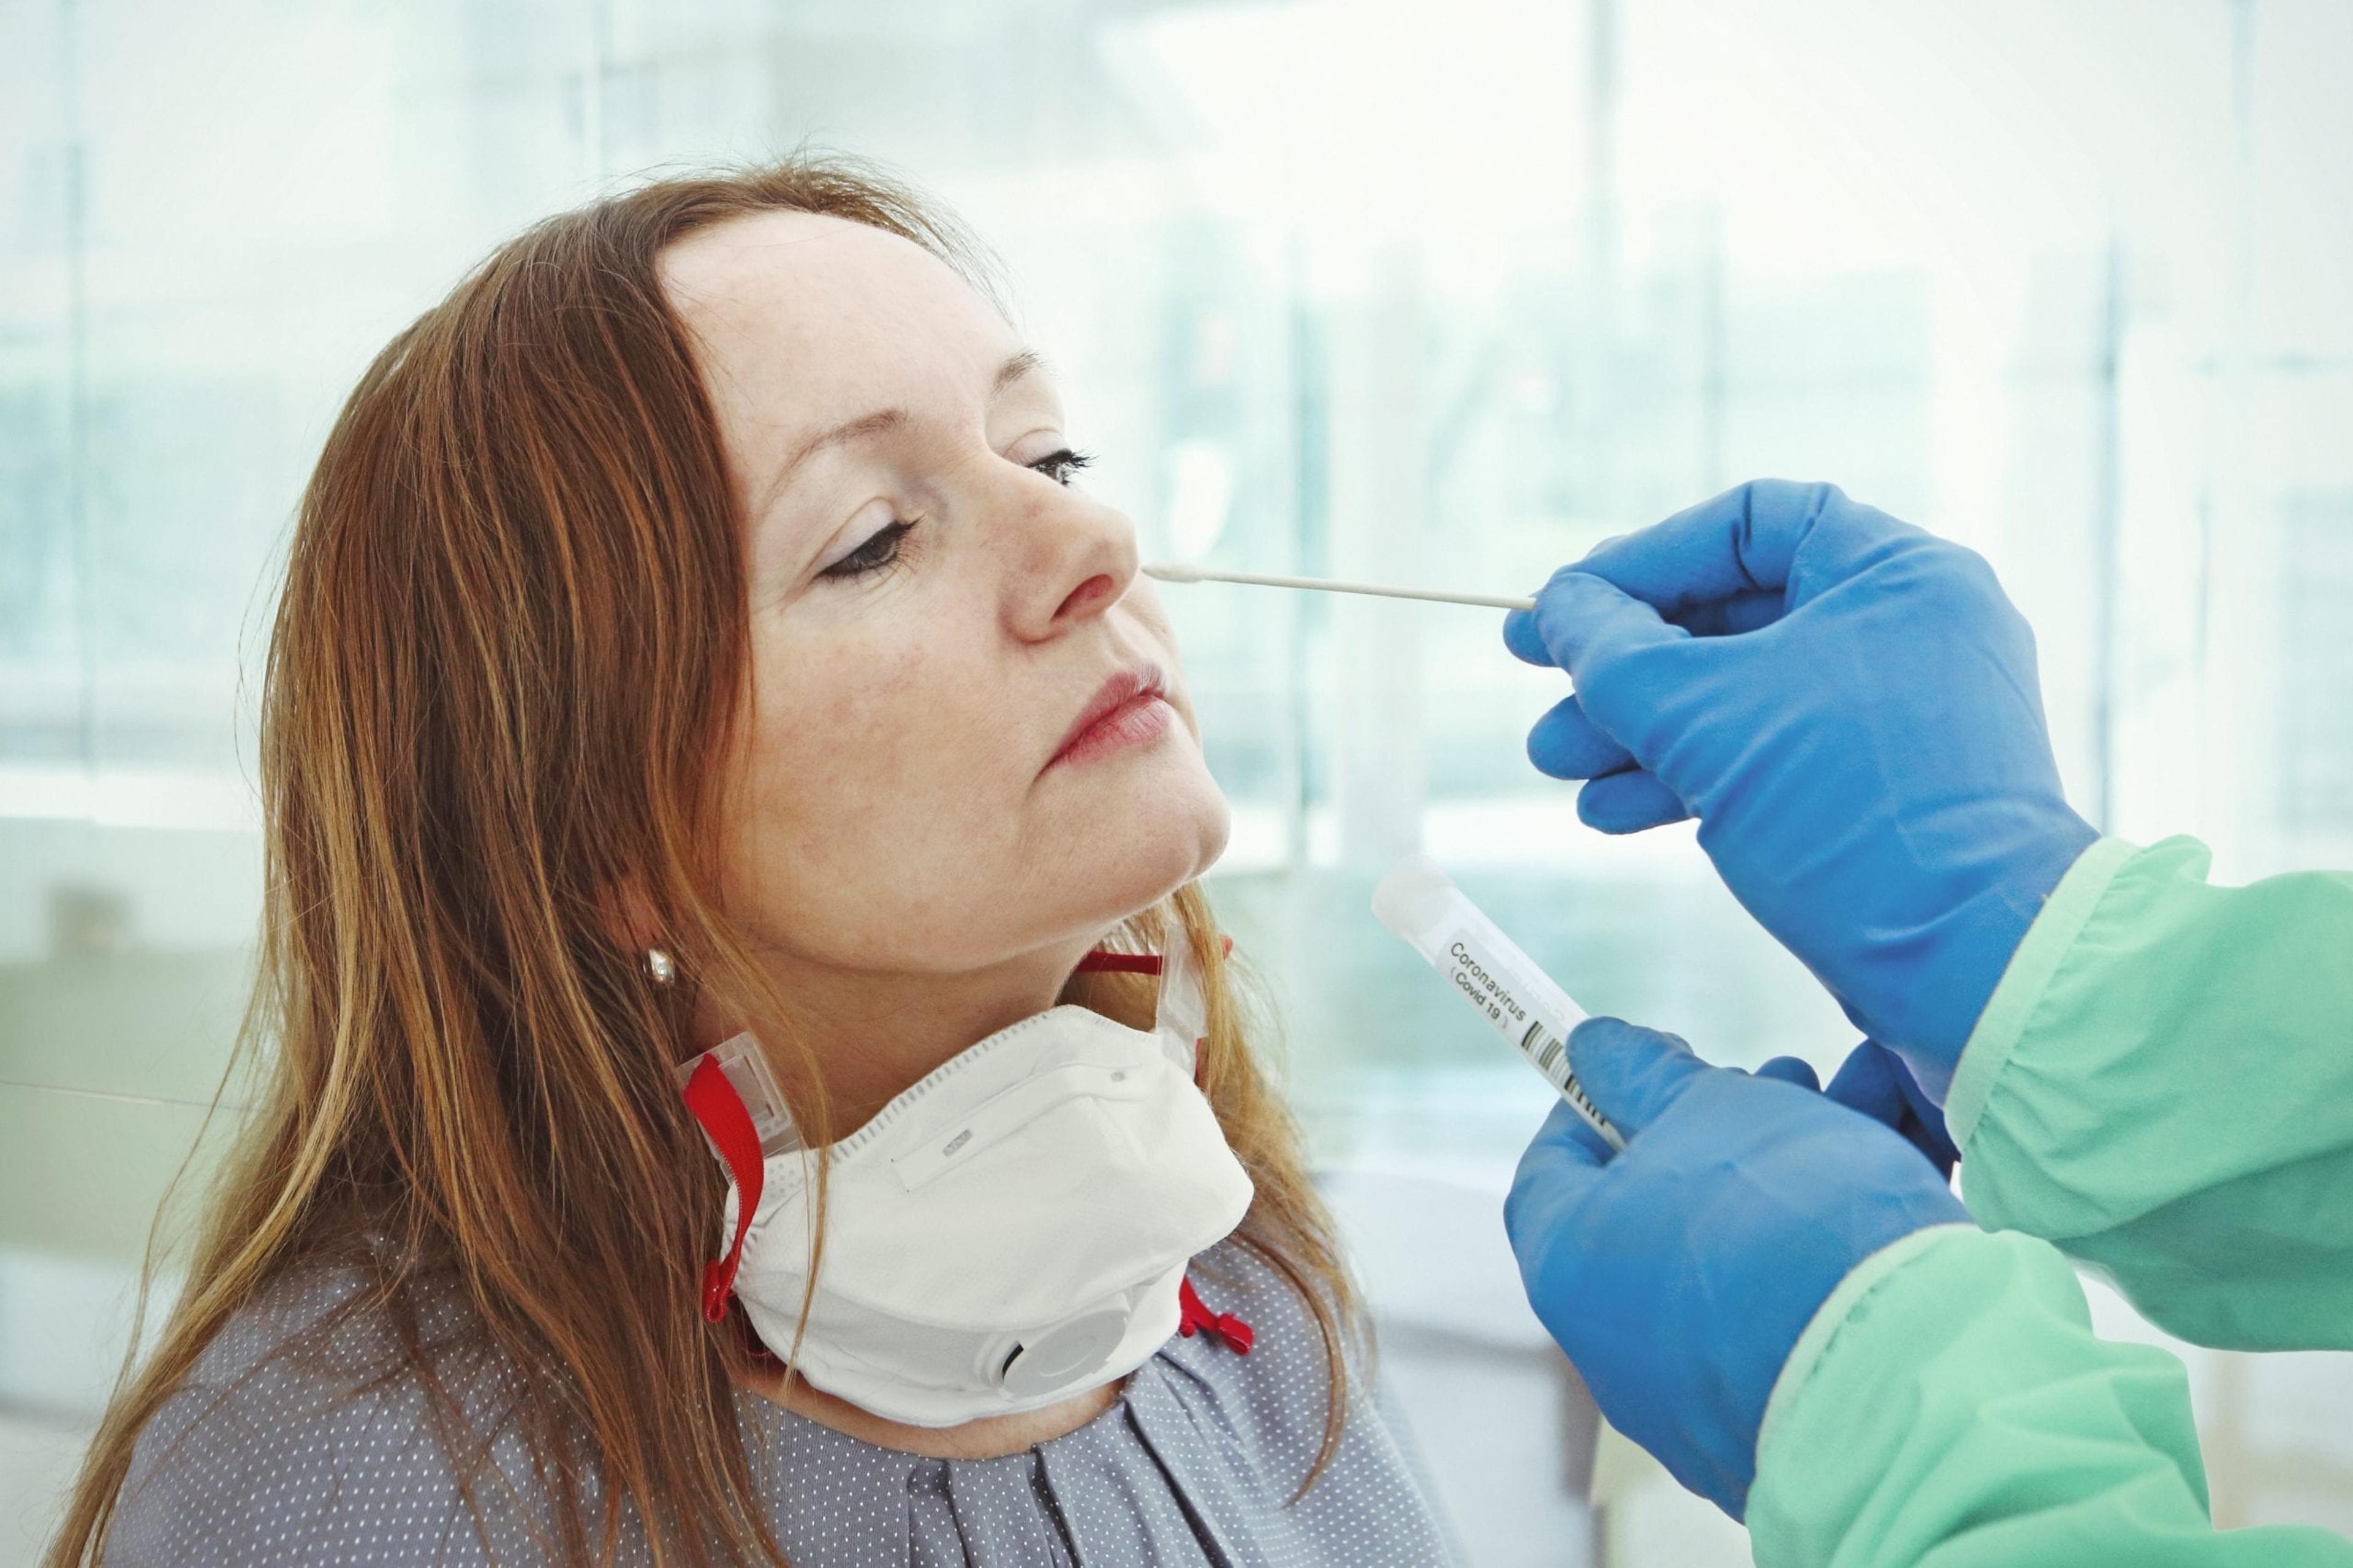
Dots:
{"x": 84, "y": 1174}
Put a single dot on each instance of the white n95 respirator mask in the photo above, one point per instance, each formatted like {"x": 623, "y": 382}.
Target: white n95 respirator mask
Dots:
{"x": 1012, "y": 1231}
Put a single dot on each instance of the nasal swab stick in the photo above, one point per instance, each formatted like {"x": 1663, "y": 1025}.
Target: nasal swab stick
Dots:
{"x": 1422, "y": 907}
{"x": 1173, "y": 572}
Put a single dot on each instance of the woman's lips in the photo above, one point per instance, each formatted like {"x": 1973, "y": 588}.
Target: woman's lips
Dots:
{"x": 1128, "y": 711}
{"x": 1132, "y": 723}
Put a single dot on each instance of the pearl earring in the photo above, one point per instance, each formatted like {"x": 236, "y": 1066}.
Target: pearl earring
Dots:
{"x": 661, "y": 966}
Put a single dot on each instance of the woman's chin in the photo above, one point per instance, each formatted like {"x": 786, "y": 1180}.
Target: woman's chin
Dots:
{"x": 1194, "y": 815}
{"x": 1214, "y": 829}
{"x": 1159, "y": 843}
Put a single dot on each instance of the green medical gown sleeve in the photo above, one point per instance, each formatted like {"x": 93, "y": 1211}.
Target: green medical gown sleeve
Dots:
{"x": 2162, "y": 1085}
{"x": 1949, "y": 1407}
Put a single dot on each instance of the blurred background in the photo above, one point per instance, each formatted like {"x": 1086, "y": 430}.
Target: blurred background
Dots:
{"x": 1384, "y": 289}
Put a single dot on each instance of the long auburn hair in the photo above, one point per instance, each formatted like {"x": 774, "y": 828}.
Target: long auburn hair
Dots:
{"x": 511, "y": 637}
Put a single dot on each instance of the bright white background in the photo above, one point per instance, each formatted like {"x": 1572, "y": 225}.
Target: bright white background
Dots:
{"x": 1383, "y": 288}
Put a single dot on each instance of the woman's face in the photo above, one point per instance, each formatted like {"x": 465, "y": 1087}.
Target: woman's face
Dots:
{"x": 968, "y": 738}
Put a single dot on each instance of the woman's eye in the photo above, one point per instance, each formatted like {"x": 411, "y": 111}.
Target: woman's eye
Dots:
{"x": 1059, "y": 466}
{"x": 881, "y": 549}
{"x": 883, "y": 546}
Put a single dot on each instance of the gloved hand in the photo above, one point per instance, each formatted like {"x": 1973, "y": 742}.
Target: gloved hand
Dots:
{"x": 1874, "y": 1081}
{"x": 1679, "y": 1272}
{"x": 1848, "y": 706}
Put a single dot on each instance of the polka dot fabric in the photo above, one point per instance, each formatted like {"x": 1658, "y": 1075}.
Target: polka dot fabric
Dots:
{"x": 312, "y": 1458}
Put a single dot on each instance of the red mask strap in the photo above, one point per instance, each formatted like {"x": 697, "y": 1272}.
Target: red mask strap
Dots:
{"x": 1103, "y": 962}
{"x": 715, "y": 1104}
{"x": 1193, "y": 1317}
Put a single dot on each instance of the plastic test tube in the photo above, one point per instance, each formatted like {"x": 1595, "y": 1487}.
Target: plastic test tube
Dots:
{"x": 1420, "y": 905}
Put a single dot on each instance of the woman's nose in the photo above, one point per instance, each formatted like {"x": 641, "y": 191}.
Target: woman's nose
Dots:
{"x": 1076, "y": 560}
{"x": 1090, "y": 598}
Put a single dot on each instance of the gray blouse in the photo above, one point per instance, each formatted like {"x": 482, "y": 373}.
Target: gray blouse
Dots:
{"x": 304, "y": 1459}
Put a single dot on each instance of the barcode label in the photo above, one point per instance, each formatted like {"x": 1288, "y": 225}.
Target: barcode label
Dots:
{"x": 1497, "y": 988}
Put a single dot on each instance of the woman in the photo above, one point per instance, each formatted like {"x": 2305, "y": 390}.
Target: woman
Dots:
{"x": 691, "y": 636}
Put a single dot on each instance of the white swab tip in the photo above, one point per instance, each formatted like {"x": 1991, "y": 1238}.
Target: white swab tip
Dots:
{"x": 1172, "y": 571}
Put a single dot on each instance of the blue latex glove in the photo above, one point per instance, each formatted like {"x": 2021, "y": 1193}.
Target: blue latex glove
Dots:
{"x": 1848, "y": 706}
{"x": 1874, "y": 1081}
{"x": 1679, "y": 1273}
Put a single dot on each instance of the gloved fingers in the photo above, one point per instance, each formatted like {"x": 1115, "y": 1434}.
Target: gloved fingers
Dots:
{"x": 1739, "y": 542}
{"x": 1730, "y": 617}
{"x": 1628, "y": 802}
{"x": 1561, "y": 1166}
{"x": 1874, "y": 1081}
{"x": 1566, "y": 1125}
{"x": 1744, "y": 542}
{"x": 1933, "y": 1141}
{"x": 1584, "y": 623}
{"x": 1916, "y": 1093}
{"x": 1924, "y": 1121}
{"x": 1566, "y": 745}
{"x": 1526, "y": 643}
{"x": 1630, "y": 1073}
{"x": 1520, "y": 634}
{"x": 1863, "y": 1083}
{"x": 1791, "y": 1069}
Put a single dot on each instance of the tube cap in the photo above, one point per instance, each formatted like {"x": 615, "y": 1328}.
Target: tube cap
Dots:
{"x": 1413, "y": 898}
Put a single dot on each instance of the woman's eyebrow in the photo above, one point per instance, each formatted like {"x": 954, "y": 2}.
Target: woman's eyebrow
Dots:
{"x": 1025, "y": 363}
{"x": 1015, "y": 368}
{"x": 865, "y": 424}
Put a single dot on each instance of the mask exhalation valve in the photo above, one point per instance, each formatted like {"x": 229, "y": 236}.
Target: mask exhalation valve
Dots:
{"x": 1069, "y": 1350}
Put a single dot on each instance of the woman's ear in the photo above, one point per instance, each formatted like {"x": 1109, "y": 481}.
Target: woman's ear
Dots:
{"x": 628, "y": 916}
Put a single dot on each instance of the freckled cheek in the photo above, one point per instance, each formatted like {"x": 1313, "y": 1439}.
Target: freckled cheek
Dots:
{"x": 875, "y": 742}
